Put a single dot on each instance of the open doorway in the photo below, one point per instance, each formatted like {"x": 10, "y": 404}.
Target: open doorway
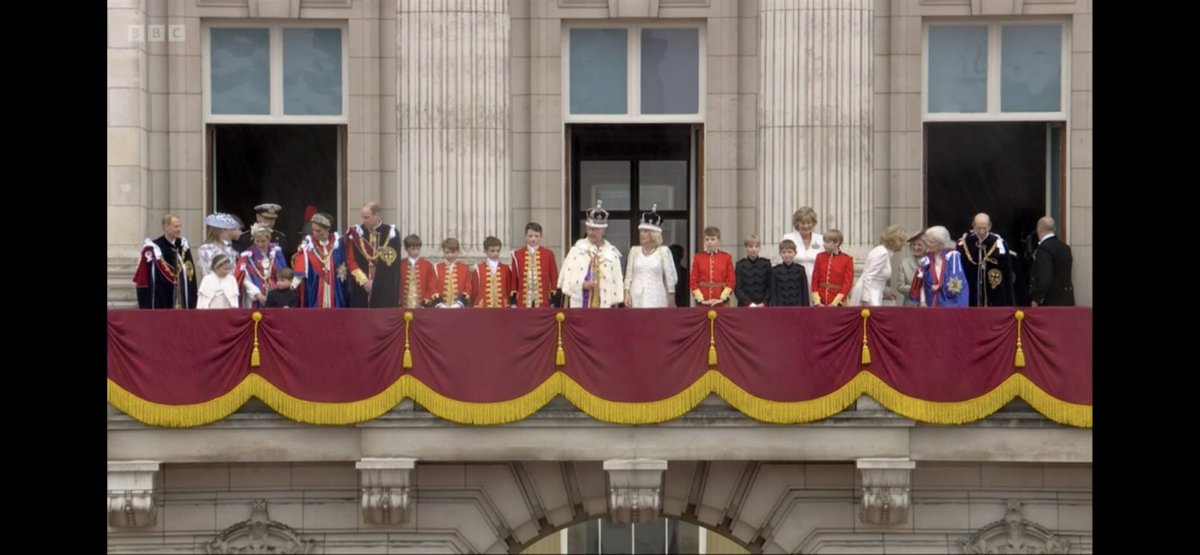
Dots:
{"x": 1013, "y": 171}
{"x": 291, "y": 165}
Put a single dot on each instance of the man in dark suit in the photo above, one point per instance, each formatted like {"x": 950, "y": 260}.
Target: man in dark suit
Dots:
{"x": 1051, "y": 269}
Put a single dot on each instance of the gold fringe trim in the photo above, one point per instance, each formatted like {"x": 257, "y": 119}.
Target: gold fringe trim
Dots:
{"x": 651, "y": 412}
{"x": 1019, "y": 362}
{"x": 255, "y": 358}
{"x": 179, "y": 416}
{"x": 616, "y": 412}
{"x": 560, "y": 357}
{"x": 712, "y": 341}
{"x": 866, "y": 351}
{"x": 466, "y": 412}
{"x": 408, "y": 317}
{"x": 781, "y": 412}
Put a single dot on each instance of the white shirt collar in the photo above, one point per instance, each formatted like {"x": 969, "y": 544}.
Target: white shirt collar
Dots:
{"x": 1048, "y": 235}
{"x": 493, "y": 264}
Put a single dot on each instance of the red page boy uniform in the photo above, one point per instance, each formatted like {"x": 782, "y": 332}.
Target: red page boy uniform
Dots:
{"x": 833, "y": 275}
{"x": 712, "y": 276}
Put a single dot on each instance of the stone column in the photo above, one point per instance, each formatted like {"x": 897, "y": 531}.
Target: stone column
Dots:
{"x": 815, "y": 115}
{"x": 452, "y": 121}
{"x": 128, "y": 128}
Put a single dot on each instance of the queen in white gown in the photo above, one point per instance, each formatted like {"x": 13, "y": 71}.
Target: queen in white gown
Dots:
{"x": 650, "y": 273}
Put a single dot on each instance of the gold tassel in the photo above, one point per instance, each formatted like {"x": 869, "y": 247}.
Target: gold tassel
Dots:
{"x": 712, "y": 342}
{"x": 255, "y": 358}
{"x": 560, "y": 357}
{"x": 1020, "y": 359}
{"x": 408, "y": 316}
{"x": 866, "y": 351}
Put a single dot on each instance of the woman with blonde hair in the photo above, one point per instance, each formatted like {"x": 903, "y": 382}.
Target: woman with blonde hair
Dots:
{"x": 220, "y": 231}
{"x": 650, "y": 276}
{"x": 809, "y": 243}
{"x": 258, "y": 267}
{"x": 871, "y": 288}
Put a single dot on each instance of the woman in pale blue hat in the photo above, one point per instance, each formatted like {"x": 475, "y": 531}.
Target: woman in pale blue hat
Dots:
{"x": 220, "y": 231}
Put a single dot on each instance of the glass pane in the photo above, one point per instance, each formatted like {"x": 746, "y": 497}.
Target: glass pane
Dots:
{"x": 241, "y": 71}
{"x": 675, "y": 232}
{"x": 312, "y": 72}
{"x": 604, "y": 180}
{"x": 662, "y": 182}
{"x": 958, "y": 68}
{"x": 688, "y": 536}
{"x": 670, "y": 71}
{"x": 598, "y": 71}
{"x": 584, "y": 537}
{"x": 1030, "y": 68}
{"x": 615, "y": 538}
{"x": 620, "y": 236}
{"x": 650, "y": 537}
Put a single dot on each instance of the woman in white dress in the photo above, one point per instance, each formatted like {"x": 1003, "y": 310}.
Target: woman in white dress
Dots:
{"x": 650, "y": 274}
{"x": 871, "y": 289}
{"x": 808, "y": 242}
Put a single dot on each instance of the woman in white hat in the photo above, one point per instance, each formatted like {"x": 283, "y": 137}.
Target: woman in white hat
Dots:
{"x": 650, "y": 273}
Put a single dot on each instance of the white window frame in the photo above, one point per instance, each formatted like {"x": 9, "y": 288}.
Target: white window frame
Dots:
{"x": 633, "y": 67}
{"x": 275, "y": 42}
{"x": 994, "y": 52}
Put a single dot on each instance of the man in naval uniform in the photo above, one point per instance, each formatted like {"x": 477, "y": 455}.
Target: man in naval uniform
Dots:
{"x": 265, "y": 214}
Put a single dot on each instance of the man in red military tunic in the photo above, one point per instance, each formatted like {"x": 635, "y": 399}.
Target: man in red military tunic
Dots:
{"x": 452, "y": 283}
{"x": 534, "y": 273}
{"x": 416, "y": 275}
{"x": 493, "y": 279}
{"x": 833, "y": 273}
{"x": 713, "y": 278}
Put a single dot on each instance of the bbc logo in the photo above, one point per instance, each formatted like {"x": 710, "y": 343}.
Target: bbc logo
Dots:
{"x": 155, "y": 33}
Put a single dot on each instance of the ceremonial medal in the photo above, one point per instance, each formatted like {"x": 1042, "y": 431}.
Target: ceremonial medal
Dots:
{"x": 387, "y": 254}
{"x": 994, "y": 277}
{"x": 954, "y": 286}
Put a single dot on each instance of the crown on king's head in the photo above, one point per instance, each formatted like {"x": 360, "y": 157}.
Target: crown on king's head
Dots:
{"x": 597, "y": 217}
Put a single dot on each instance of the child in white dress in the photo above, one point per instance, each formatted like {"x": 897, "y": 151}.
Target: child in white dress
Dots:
{"x": 219, "y": 289}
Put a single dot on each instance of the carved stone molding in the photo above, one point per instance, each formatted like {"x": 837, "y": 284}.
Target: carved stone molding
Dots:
{"x": 1015, "y": 534}
{"x": 131, "y": 493}
{"x": 635, "y": 489}
{"x": 886, "y": 486}
{"x": 275, "y": 8}
{"x": 260, "y": 534}
{"x": 385, "y": 485}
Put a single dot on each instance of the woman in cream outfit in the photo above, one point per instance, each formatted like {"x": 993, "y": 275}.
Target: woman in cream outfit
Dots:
{"x": 650, "y": 275}
{"x": 808, "y": 242}
{"x": 871, "y": 289}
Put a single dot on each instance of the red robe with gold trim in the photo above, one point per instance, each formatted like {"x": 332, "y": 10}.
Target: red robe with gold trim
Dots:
{"x": 534, "y": 276}
{"x": 416, "y": 283}
{"x": 712, "y": 276}
{"x": 833, "y": 275}
{"x": 452, "y": 285}
{"x": 492, "y": 290}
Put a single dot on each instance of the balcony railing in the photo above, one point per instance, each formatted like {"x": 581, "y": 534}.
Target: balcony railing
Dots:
{"x": 480, "y": 367}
